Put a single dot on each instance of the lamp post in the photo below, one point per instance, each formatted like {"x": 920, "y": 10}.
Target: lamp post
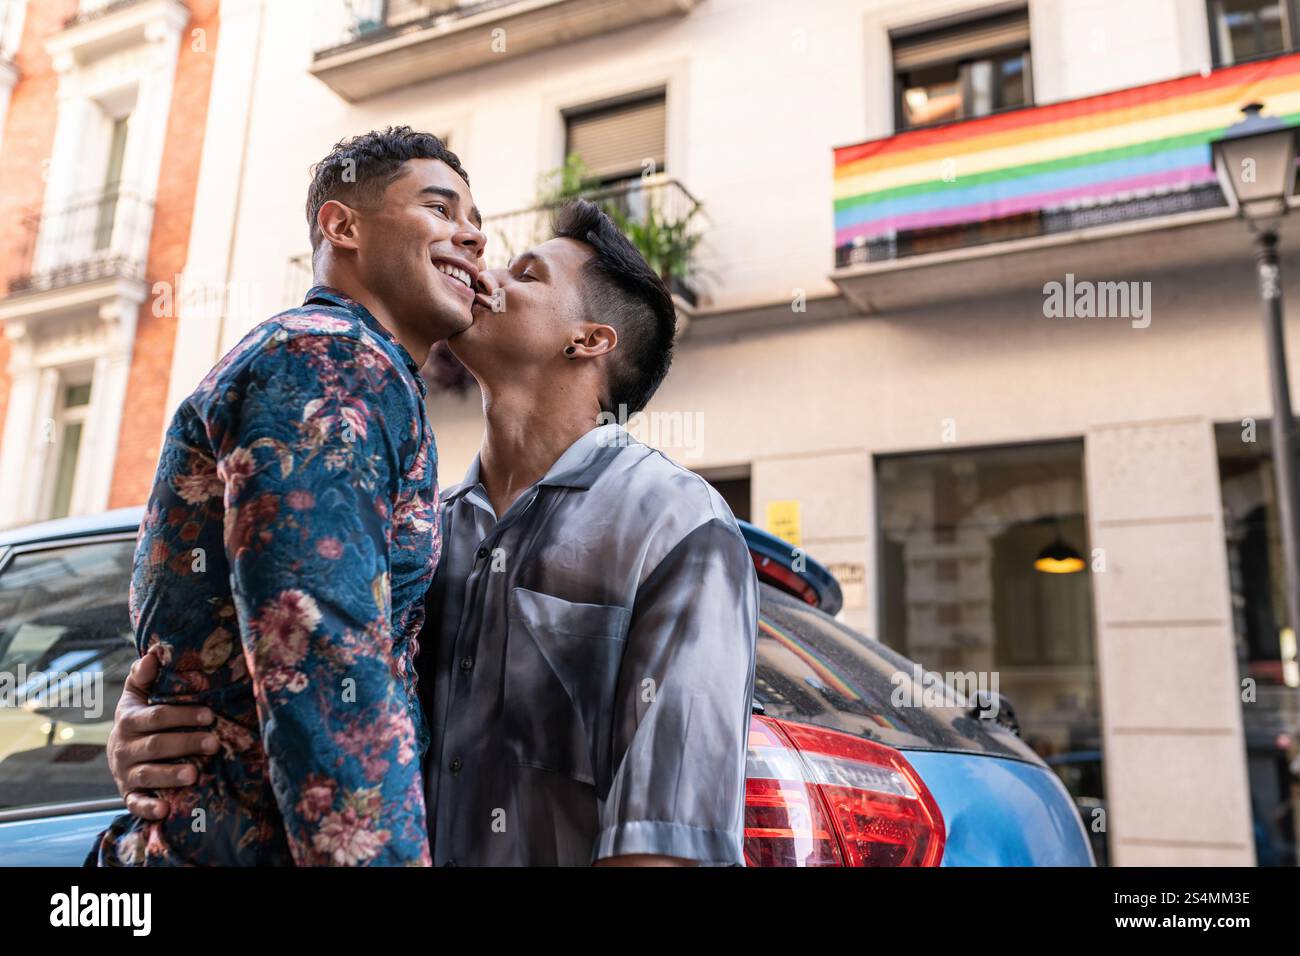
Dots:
{"x": 1255, "y": 163}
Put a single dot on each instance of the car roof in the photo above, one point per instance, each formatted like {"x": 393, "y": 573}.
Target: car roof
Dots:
{"x": 105, "y": 522}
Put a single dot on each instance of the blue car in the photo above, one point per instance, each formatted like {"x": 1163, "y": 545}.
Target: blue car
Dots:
{"x": 850, "y": 763}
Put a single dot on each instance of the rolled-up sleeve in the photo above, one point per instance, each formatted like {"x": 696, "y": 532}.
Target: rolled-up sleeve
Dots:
{"x": 682, "y": 707}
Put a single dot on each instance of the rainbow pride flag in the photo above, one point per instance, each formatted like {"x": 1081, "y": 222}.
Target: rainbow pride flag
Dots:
{"x": 1112, "y": 147}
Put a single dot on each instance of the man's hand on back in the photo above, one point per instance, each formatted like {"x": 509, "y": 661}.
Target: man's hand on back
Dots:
{"x": 145, "y": 749}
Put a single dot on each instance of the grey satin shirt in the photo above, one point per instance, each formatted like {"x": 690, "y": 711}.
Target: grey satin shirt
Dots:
{"x": 587, "y": 665}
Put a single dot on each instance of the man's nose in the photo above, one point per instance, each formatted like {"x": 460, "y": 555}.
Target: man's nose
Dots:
{"x": 471, "y": 240}
{"x": 490, "y": 280}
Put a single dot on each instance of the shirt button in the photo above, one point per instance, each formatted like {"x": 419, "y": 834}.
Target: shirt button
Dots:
{"x": 456, "y": 764}
{"x": 482, "y": 553}
{"x": 466, "y": 663}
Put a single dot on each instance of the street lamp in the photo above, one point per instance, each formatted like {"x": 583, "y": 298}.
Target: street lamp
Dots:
{"x": 1255, "y": 163}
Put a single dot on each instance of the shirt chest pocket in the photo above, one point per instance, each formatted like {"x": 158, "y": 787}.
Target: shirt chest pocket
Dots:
{"x": 561, "y": 670}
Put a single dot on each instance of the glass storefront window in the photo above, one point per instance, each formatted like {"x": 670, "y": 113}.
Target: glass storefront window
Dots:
{"x": 1266, "y": 644}
{"x": 984, "y": 567}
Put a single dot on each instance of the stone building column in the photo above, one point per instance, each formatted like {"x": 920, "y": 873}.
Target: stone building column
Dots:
{"x": 1176, "y": 783}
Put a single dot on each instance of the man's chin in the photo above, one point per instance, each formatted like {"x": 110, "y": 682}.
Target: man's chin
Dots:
{"x": 462, "y": 346}
{"x": 449, "y": 313}
{"x": 464, "y": 325}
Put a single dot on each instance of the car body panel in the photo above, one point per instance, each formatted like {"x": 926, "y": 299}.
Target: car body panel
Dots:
{"x": 1000, "y": 812}
{"x": 52, "y": 841}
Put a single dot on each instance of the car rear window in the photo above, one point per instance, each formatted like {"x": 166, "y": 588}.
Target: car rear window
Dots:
{"x": 811, "y": 669}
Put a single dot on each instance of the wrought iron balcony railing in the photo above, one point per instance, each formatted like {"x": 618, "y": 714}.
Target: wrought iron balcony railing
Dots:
{"x": 98, "y": 237}
{"x": 366, "y": 21}
{"x": 1133, "y": 154}
{"x": 658, "y": 214}
{"x": 89, "y": 10}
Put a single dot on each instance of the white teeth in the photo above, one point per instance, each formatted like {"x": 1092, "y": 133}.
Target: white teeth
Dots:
{"x": 455, "y": 273}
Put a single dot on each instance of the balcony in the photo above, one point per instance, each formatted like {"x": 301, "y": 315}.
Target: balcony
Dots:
{"x": 658, "y": 214}
{"x": 89, "y": 10}
{"x": 100, "y": 28}
{"x": 374, "y": 46}
{"x": 1112, "y": 182}
{"x": 100, "y": 237}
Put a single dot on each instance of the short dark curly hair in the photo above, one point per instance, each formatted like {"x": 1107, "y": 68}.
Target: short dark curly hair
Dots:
{"x": 623, "y": 291}
{"x": 358, "y": 170}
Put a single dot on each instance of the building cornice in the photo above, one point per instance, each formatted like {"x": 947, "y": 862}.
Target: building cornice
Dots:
{"x": 145, "y": 22}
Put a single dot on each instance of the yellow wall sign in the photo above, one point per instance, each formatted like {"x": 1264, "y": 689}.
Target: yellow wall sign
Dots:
{"x": 783, "y": 521}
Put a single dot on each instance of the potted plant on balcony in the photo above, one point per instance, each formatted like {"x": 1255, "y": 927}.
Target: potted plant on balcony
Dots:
{"x": 667, "y": 240}
{"x": 367, "y": 16}
{"x": 668, "y": 243}
{"x": 568, "y": 181}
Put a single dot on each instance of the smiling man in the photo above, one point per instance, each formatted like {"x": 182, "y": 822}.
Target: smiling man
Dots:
{"x": 587, "y": 657}
{"x": 292, "y": 532}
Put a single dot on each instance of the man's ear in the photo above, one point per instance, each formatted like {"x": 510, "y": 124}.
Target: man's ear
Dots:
{"x": 338, "y": 224}
{"x": 595, "y": 340}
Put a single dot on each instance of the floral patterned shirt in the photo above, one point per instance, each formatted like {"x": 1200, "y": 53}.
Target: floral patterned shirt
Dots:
{"x": 282, "y": 565}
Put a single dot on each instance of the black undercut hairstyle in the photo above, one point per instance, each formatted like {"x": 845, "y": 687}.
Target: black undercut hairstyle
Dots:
{"x": 358, "y": 170}
{"x": 621, "y": 290}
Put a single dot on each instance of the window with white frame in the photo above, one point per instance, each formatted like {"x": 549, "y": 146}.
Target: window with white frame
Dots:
{"x": 67, "y": 433}
{"x": 117, "y": 134}
{"x": 95, "y": 219}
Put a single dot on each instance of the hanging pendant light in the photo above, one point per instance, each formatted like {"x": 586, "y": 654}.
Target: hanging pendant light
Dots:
{"x": 1058, "y": 558}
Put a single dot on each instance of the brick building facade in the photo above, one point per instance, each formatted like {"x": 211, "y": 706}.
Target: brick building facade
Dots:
{"x": 101, "y": 146}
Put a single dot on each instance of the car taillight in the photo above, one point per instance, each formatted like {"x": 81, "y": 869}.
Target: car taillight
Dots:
{"x": 817, "y": 797}
{"x": 783, "y": 579}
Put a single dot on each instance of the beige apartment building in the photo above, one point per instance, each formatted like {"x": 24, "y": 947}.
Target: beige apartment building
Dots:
{"x": 962, "y": 298}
